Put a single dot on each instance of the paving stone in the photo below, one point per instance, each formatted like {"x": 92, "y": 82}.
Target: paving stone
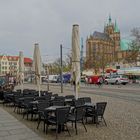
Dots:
{"x": 22, "y": 130}
{"x": 4, "y": 133}
{"x": 12, "y": 129}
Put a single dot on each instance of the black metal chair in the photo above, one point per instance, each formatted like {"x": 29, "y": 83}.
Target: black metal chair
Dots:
{"x": 41, "y": 109}
{"x": 27, "y": 106}
{"x": 60, "y": 121}
{"x": 97, "y": 113}
{"x": 100, "y": 109}
{"x": 69, "y": 97}
{"x": 7, "y": 98}
{"x": 79, "y": 102}
{"x": 54, "y": 95}
{"x": 78, "y": 116}
{"x": 40, "y": 98}
{"x": 87, "y": 99}
{"x": 69, "y": 100}
{"x": 17, "y": 103}
{"x": 58, "y": 98}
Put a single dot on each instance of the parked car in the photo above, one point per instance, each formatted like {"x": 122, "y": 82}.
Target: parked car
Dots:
{"x": 116, "y": 79}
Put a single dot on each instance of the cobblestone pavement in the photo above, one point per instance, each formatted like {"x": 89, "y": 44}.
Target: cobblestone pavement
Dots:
{"x": 122, "y": 117}
{"x": 12, "y": 129}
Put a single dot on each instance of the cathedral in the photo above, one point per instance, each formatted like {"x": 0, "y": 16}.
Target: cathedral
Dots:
{"x": 107, "y": 47}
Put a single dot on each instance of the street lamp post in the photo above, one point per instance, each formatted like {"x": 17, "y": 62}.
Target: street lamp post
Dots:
{"x": 61, "y": 73}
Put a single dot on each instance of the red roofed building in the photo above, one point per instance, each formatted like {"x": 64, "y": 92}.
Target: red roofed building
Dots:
{"x": 10, "y": 65}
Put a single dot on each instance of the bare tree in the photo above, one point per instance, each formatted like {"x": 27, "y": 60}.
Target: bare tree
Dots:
{"x": 134, "y": 47}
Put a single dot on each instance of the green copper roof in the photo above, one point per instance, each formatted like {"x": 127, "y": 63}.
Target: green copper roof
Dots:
{"x": 116, "y": 29}
{"x": 125, "y": 44}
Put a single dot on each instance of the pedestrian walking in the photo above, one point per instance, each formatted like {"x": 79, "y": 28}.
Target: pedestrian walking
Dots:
{"x": 100, "y": 81}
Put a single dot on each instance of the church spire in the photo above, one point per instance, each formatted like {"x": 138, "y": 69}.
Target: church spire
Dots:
{"x": 109, "y": 19}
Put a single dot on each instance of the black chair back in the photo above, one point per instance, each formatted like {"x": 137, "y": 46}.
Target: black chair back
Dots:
{"x": 100, "y": 108}
{"x": 40, "y": 98}
{"x": 57, "y": 103}
{"x": 62, "y": 115}
{"x": 27, "y": 100}
{"x": 59, "y": 98}
{"x": 87, "y": 99}
{"x": 42, "y": 105}
{"x": 80, "y": 112}
{"x": 82, "y": 100}
{"x": 79, "y": 102}
{"x": 69, "y": 97}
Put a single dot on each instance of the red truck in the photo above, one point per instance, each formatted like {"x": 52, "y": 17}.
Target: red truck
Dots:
{"x": 93, "y": 79}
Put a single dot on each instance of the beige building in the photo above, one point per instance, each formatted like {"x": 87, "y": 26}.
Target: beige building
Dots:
{"x": 10, "y": 65}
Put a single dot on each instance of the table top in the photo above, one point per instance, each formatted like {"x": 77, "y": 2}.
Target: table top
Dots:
{"x": 68, "y": 100}
{"x": 89, "y": 104}
{"x": 53, "y": 108}
{"x": 34, "y": 102}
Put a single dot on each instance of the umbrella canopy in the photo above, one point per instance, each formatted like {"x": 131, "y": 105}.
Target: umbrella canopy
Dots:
{"x": 76, "y": 58}
{"x": 21, "y": 70}
{"x": 37, "y": 65}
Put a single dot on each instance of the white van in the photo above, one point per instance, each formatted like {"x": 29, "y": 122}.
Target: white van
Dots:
{"x": 53, "y": 78}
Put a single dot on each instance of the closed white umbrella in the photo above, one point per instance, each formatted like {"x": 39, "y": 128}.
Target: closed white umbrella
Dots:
{"x": 37, "y": 65}
{"x": 76, "y": 58}
{"x": 21, "y": 70}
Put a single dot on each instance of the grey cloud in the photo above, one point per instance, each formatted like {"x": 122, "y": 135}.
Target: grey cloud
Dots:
{"x": 49, "y": 22}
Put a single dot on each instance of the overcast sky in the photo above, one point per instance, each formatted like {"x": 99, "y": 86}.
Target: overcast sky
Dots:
{"x": 49, "y": 22}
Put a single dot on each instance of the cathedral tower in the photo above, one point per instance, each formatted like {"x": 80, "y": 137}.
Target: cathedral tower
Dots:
{"x": 113, "y": 31}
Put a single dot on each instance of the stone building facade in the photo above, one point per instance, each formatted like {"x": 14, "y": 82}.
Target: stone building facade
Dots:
{"x": 10, "y": 65}
{"x": 106, "y": 48}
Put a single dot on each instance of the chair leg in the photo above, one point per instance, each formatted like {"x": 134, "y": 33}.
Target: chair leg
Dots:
{"x": 47, "y": 128}
{"x": 76, "y": 127}
{"x": 23, "y": 114}
{"x": 104, "y": 121}
{"x": 84, "y": 125}
{"x": 14, "y": 108}
{"x": 27, "y": 115}
{"x": 44, "y": 126}
{"x": 31, "y": 116}
{"x": 72, "y": 124}
{"x": 96, "y": 121}
{"x": 68, "y": 130}
{"x": 56, "y": 130}
{"x": 38, "y": 123}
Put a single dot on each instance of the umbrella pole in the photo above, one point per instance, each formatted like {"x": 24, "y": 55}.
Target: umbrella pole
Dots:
{"x": 76, "y": 91}
{"x": 21, "y": 87}
{"x": 39, "y": 87}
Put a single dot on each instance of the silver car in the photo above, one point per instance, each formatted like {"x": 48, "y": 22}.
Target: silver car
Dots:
{"x": 116, "y": 79}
